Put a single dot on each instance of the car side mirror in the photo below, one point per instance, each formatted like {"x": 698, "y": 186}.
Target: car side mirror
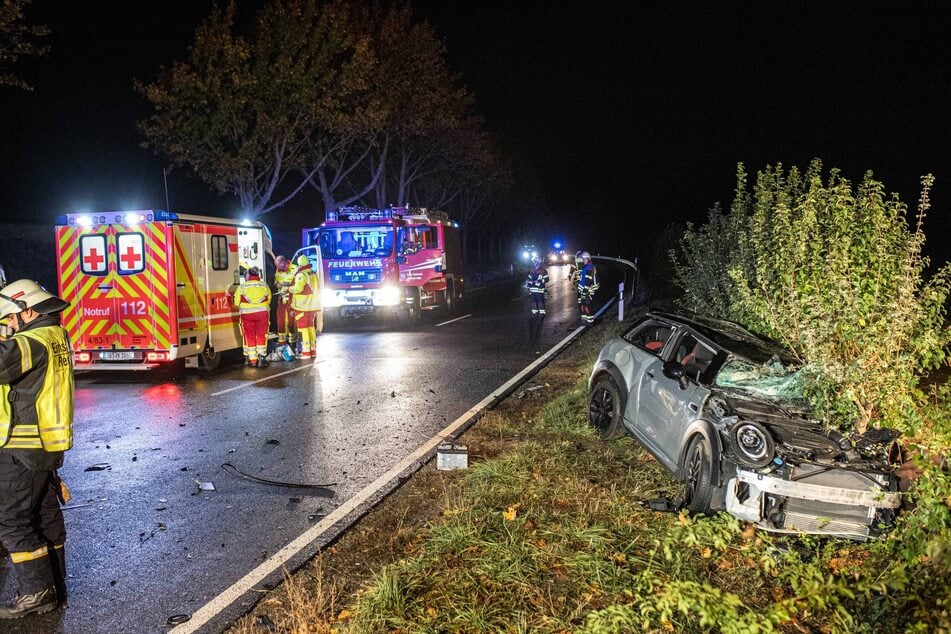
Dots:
{"x": 674, "y": 370}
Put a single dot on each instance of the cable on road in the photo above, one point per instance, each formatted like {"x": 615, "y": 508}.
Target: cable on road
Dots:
{"x": 319, "y": 489}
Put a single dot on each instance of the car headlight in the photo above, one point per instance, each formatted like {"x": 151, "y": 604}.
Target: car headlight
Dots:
{"x": 753, "y": 444}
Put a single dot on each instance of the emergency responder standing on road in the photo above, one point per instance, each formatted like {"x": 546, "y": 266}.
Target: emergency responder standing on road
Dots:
{"x": 305, "y": 302}
{"x": 36, "y": 428}
{"x": 284, "y": 280}
{"x": 253, "y": 301}
{"x": 536, "y": 283}
{"x": 587, "y": 287}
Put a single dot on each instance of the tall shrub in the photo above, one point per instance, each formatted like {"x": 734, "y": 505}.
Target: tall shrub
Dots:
{"x": 838, "y": 274}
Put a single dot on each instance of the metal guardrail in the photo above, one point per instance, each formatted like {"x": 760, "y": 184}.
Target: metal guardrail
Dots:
{"x": 624, "y": 296}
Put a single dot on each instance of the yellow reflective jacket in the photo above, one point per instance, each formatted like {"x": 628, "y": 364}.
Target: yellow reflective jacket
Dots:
{"x": 253, "y": 296}
{"x": 305, "y": 294}
{"x": 37, "y": 411}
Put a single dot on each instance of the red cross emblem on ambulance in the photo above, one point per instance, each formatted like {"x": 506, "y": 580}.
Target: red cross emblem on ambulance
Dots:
{"x": 94, "y": 254}
{"x": 129, "y": 252}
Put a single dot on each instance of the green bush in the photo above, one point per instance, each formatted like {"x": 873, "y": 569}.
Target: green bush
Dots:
{"x": 837, "y": 274}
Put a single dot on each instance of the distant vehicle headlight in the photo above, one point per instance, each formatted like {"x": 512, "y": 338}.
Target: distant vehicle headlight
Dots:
{"x": 526, "y": 255}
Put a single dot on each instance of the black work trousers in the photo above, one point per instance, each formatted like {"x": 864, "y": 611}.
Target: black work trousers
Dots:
{"x": 31, "y": 521}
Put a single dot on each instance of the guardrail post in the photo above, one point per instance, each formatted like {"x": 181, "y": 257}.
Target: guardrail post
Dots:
{"x": 620, "y": 301}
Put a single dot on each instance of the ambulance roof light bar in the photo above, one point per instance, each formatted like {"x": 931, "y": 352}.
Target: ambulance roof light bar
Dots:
{"x": 109, "y": 217}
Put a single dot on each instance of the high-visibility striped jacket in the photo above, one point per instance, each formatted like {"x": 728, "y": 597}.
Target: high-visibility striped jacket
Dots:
{"x": 284, "y": 280}
{"x": 537, "y": 280}
{"x": 36, "y": 388}
{"x": 253, "y": 296}
{"x": 588, "y": 280}
{"x": 305, "y": 293}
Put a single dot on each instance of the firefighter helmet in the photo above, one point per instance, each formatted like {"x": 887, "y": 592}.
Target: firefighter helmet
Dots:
{"x": 536, "y": 261}
{"x": 302, "y": 260}
{"x": 22, "y": 294}
{"x": 585, "y": 255}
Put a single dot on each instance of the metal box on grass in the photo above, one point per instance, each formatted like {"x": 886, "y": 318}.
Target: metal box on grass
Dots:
{"x": 451, "y": 456}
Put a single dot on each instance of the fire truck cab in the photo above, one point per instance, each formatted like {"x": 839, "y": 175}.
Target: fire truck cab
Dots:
{"x": 400, "y": 260}
{"x": 149, "y": 287}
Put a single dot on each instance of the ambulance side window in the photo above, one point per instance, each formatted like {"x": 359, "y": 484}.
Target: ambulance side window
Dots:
{"x": 130, "y": 253}
{"x": 219, "y": 253}
{"x": 92, "y": 254}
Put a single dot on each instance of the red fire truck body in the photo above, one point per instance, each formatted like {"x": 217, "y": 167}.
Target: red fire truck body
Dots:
{"x": 400, "y": 260}
{"x": 148, "y": 287}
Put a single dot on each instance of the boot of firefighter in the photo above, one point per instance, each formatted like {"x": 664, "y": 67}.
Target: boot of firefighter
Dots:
{"x": 307, "y": 343}
{"x": 262, "y": 356}
{"x": 36, "y": 593}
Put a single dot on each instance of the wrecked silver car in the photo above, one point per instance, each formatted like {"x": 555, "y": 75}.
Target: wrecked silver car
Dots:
{"x": 723, "y": 411}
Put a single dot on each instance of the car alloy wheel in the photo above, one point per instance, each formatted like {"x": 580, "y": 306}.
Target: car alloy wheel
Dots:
{"x": 604, "y": 408}
{"x": 698, "y": 476}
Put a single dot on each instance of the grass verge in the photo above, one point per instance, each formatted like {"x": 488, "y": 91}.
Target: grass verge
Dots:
{"x": 546, "y": 532}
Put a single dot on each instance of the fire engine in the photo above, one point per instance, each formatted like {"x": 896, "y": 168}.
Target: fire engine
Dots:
{"x": 400, "y": 260}
{"x": 147, "y": 288}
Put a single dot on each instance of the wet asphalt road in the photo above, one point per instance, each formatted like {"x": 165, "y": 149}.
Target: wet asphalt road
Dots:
{"x": 144, "y": 543}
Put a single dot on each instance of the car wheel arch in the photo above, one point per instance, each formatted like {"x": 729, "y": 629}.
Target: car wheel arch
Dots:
{"x": 703, "y": 428}
{"x": 604, "y": 368}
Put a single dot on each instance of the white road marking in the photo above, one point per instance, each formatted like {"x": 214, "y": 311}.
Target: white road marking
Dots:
{"x": 266, "y": 378}
{"x": 515, "y": 299}
{"x": 246, "y": 584}
{"x": 452, "y": 320}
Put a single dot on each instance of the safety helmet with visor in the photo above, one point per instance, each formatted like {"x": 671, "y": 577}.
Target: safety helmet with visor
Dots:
{"x": 585, "y": 255}
{"x": 20, "y": 295}
{"x": 302, "y": 260}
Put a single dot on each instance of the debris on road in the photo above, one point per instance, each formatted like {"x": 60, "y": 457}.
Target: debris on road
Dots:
{"x": 451, "y": 456}
{"x": 102, "y": 466}
{"x": 318, "y": 489}
{"x": 272, "y": 441}
{"x": 178, "y": 619}
{"x": 205, "y": 486}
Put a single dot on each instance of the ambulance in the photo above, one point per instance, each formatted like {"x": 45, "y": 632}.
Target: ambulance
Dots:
{"x": 150, "y": 288}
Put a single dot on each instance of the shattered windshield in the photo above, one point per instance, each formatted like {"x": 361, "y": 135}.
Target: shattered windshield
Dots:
{"x": 772, "y": 380}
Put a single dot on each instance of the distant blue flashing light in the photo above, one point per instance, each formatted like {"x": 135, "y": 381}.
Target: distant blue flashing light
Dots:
{"x": 557, "y": 245}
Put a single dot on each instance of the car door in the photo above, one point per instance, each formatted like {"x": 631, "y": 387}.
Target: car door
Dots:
{"x": 666, "y": 406}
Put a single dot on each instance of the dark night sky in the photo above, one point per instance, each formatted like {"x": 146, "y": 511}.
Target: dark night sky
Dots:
{"x": 632, "y": 115}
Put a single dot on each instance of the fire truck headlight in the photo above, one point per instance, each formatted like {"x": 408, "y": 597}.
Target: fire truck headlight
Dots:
{"x": 387, "y": 296}
{"x": 329, "y": 298}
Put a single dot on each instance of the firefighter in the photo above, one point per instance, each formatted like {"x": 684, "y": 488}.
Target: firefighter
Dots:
{"x": 36, "y": 428}
{"x": 537, "y": 280}
{"x": 253, "y": 301}
{"x": 305, "y": 302}
{"x": 587, "y": 287}
{"x": 284, "y": 280}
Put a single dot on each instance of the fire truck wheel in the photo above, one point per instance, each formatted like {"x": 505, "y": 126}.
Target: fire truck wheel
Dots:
{"x": 210, "y": 359}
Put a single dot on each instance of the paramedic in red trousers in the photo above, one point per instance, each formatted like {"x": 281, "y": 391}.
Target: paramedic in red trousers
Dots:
{"x": 36, "y": 428}
{"x": 536, "y": 283}
{"x": 305, "y": 302}
{"x": 253, "y": 301}
{"x": 587, "y": 287}
{"x": 284, "y": 280}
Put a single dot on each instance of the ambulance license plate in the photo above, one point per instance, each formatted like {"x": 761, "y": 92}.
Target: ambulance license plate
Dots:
{"x": 123, "y": 355}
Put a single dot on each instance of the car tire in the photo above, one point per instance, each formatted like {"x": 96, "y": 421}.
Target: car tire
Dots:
{"x": 698, "y": 475}
{"x": 604, "y": 408}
